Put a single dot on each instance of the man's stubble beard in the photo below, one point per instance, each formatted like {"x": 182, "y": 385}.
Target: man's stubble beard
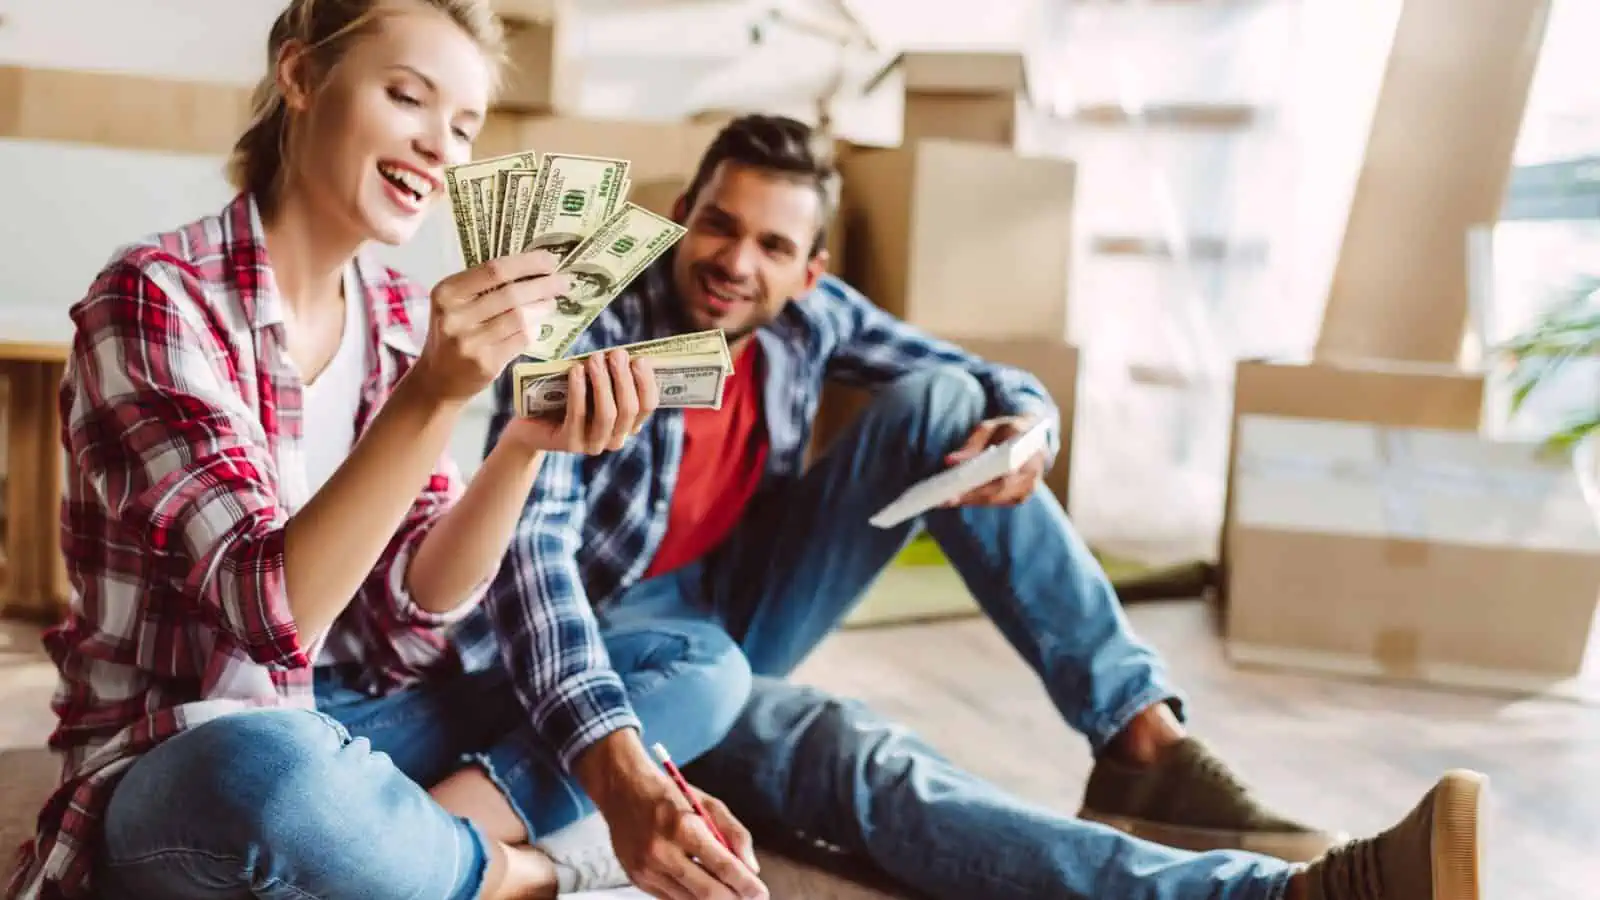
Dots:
{"x": 683, "y": 320}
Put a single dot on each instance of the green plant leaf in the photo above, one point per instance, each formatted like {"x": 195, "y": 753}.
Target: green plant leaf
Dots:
{"x": 1569, "y": 435}
{"x": 1568, "y": 331}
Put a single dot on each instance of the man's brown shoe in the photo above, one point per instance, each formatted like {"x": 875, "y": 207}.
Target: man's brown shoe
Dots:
{"x": 1432, "y": 854}
{"x": 1191, "y": 800}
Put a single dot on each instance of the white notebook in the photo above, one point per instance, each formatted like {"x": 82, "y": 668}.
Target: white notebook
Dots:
{"x": 623, "y": 893}
{"x": 992, "y": 463}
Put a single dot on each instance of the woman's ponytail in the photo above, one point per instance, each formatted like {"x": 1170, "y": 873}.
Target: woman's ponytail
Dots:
{"x": 257, "y": 158}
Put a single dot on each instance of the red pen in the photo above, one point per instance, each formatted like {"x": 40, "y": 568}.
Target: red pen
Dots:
{"x": 677, "y": 776}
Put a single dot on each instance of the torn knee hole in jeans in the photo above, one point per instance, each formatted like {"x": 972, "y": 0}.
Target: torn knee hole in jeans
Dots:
{"x": 482, "y": 762}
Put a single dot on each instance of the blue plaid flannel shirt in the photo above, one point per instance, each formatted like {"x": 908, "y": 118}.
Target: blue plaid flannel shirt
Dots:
{"x": 592, "y": 523}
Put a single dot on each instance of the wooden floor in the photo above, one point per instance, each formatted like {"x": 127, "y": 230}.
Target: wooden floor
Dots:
{"x": 1345, "y": 754}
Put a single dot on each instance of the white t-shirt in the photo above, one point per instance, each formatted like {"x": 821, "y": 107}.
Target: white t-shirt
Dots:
{"x": 331, "y": 401}
{"x": 328, "y": 426}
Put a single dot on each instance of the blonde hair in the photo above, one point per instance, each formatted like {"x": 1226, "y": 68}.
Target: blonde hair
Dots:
{"x": 326, "y": 29}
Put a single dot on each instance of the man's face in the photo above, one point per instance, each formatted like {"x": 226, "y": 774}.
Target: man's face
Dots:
{"x": 747, "y": 252}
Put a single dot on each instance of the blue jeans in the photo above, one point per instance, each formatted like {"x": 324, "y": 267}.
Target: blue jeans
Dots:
{"x": 801, "y": 765}
{"x": 332, "y": 804}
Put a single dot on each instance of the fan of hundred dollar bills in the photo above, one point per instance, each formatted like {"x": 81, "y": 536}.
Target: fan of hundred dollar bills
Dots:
{"x": 576, "y": 207}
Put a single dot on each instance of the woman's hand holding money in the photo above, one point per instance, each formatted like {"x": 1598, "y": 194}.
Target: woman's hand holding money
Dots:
{"x": 609, "y": 396}
{"x": 482, "y": 318}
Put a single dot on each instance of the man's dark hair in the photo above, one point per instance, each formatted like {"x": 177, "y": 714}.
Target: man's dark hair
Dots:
{"x": 779, "y": 145}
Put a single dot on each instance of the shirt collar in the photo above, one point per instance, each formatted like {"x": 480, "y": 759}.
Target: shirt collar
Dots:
{"x": 252, "y": 277}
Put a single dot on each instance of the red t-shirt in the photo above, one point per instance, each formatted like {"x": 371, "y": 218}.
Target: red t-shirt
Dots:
{"x": 724, "y": 455}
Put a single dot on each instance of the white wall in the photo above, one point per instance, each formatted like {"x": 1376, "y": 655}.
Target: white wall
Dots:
{"x": 68, "y": 207}
{"x": 1335, "y": 81}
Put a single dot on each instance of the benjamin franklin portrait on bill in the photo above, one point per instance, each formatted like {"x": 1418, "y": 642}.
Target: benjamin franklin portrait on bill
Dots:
{"x": 590, "y": 288}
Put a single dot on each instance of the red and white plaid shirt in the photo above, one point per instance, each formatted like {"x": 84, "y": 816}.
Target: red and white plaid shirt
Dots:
{"x": 182, "y": 422}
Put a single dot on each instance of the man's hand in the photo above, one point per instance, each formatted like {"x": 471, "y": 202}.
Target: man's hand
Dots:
{"x": 665, "y": 847}
{"x": 1007, "y": 490}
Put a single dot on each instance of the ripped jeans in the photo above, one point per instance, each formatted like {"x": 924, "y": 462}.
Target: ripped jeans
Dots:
{"x": 430, "y": 732}
{"x": 295, "y": 803}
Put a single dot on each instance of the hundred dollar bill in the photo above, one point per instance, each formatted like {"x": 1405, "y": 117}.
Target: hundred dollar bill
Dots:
{"x": 601, "y": 268}
{"x": 689, "y": 388}
{"x": 662, "y": 362}
{"x": 471, "y": 187}
{"x": 694, "y": 343}
{"x": 680, "y": 386}
{"x": 515, "y": 193}
{"x": 576, "y": 195}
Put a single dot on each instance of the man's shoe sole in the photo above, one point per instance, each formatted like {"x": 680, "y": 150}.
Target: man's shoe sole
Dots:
{"x": 1291, "y": 847}
{"x": 1457, "y": 833}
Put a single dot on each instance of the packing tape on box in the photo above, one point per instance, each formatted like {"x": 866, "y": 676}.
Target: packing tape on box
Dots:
{"x": 1397, "y": 650}
{"x": 1404, "y": 553}
{"x": 1402, "y": 514}
{"x": 1403, "y": 477}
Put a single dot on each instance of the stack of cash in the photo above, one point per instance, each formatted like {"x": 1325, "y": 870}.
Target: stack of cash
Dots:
{"x": 576, "y": 208}
{"x": 691, "y": 370}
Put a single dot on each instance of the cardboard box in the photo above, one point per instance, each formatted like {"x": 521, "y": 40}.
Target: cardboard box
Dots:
{"x": 541, "y": 76}
{"x": 1053, "y": 362}
{"x": 658, "y": 195}
{"x": 528, "y": 10}
{"x": 960, "y": 95}
{"x": 961, "y": 238}
{"x": 716, "y": 117}
{"x": 124, "y": 111}
{"x": 1371, "y": 530}
{"x": 657, "y": 150}
{"x": 1437, "y": 163}
{"x": 535, "y": 79}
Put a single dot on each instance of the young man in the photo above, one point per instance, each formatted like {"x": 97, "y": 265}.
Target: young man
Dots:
{"x": 707, "y": 515}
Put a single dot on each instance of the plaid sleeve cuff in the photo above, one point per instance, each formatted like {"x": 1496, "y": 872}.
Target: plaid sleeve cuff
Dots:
{"x": 582, "y": 710}
{"x": 405, "y": 603}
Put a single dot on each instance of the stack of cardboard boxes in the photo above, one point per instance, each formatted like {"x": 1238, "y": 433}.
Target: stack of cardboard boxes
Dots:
{"x": 957, "y": 232}
{"x": 541, "y": 76}
{"x": 536, "y": 110}
{"x": 1371, "y": 528}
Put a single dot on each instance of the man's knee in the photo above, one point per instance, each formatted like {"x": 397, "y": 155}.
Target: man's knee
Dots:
{"x": 936, "y": 408}
{"x": 715, "y": 679}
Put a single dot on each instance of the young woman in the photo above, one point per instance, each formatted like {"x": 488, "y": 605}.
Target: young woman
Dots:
{"x": 267, "y": 542}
